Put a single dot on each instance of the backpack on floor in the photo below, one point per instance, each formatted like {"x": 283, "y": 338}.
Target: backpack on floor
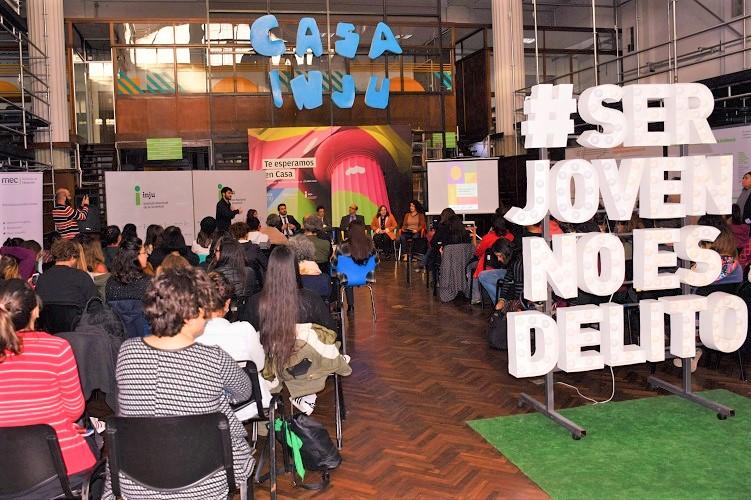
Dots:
{"x": 316, "y": 449}
{"x": 497, "y": 331}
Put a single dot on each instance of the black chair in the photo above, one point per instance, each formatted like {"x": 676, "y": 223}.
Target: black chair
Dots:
{"x": 170, "y": 454}
{"x": 56, "y": 318}
{"x": 31, "y": 460}
{"x": 257, "y": 414}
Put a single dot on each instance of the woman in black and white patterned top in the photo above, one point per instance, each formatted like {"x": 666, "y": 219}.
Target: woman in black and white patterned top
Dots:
{"x": 167, "y": 374}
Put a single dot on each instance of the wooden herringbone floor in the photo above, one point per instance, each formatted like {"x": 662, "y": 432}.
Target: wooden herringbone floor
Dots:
{"x": 419, "y": 374}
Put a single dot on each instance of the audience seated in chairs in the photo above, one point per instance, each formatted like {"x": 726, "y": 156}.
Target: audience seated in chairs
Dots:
{"x": 414, "y": 229}
{"x": 95, "y": 266}
{"x": 20, "y": 254}
{"x": 384, "y": 228}
{"x": 313, "y": 228}
{"x": 360, "y": 250}
{"x": 255, "y": 258}
{"x": 172, "y": 261}
{"x": 111, "y": 238}
{"x": 173, "y": 241}
{"x": 126, "y": 288}
{"x": 254, "y": 232}
{"x": 296, "y": 331}
{"x": 169, "y": 374}
{"x": 40, "y": 382}
{"x": 154, "y": 238}
{"x": 496, "y": 259}
{"x": 311, "y": 275}
{"x": 511, "y": 289}
{"x": 63, "y": 288}
{"x": 432, "y": 260}
{"x": 238, "y": 339}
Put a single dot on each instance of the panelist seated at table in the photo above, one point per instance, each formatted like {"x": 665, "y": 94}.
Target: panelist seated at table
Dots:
{"x": 351, "y": 217}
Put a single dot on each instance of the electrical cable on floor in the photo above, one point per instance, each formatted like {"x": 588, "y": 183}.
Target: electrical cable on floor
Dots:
{"x": 594, "y": 401}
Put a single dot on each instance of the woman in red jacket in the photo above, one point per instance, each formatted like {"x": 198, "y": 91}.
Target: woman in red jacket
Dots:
{"x": 39, "y": 381}
{"x": 486, "y": 263}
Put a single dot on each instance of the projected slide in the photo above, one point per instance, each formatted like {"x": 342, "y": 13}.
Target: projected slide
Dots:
{"x": 467, "y": 186}
{"x": 462, "y": 187}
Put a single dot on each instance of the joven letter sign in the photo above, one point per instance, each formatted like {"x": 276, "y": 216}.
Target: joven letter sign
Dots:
{"x": 595, "y": 262}
{"x": 307, "y": 89}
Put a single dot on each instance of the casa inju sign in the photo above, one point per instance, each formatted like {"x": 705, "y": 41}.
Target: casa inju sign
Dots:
{"x": 307, "y": 89}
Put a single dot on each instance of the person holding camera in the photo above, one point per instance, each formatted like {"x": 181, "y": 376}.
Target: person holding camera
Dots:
{"x": 65, "y": 216}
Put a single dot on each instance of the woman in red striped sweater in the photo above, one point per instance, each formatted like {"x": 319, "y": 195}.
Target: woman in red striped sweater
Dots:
{"x": 39, "y": 379}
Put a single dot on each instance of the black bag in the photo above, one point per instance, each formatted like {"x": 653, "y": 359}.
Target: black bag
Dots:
{"x": 497, "y": 331}
{"x": 318, "y": 450}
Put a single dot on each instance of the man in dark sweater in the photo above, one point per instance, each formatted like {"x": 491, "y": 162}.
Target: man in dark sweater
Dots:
{"x": 224, "y": 211}
{"x": 63, "y": 283}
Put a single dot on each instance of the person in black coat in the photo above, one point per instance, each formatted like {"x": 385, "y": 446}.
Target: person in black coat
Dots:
{"x": 353, "y": 216}
{"x": 224, "y": 211}
{"x": 290, "y": 226}
{"x": 744, "y": 199}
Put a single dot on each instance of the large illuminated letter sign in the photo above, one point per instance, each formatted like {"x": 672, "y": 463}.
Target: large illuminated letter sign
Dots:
{"x": 538, "y": 173}
{"x": 611, "y": 120}
{"x": 521, "y": 362}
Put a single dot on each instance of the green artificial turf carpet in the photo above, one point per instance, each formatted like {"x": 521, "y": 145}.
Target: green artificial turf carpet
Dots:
{"x": 652, "y": 448}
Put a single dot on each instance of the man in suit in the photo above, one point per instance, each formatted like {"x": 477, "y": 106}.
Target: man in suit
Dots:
{"x": 224, "y": 211}
{"x": 744, "y": 200}
{"x": 351, "y": 217}
{"x": 290, "y": 226}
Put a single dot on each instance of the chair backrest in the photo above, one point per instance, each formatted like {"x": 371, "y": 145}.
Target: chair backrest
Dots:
{"x": 56, "y": 318}
{"x": 131, "y": 314}
{"x": 169, "y": 453}
{"x": 30, "y": 458}
{"x": 353, "y": 274}
{"x": 256, "y": 398}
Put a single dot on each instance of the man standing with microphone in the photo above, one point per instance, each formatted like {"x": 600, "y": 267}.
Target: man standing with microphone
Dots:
{"x": 224, "y": 211}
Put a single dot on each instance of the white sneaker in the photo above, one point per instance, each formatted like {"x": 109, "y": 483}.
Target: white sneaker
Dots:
{"x": 305, "y": 404}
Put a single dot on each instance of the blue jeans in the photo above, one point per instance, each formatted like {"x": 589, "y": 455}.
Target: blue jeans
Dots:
{"x": 488, "y": 280}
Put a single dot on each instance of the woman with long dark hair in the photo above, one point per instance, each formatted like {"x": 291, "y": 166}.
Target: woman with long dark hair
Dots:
{"x": 487, "y": 262}
{"x": 280, "y": 312}
{"x": 229, "y": 260}
{"x": 154, "y": 234}
{"x": 283, "y": 301}
{"x": 414, "y": 224}
{"x": 128, "y": 280}
{"x": 43, "y": 371}
{"x": 384, "y": 228}
{"x": 360, "y": 248}
{"x": 202, "y": 244}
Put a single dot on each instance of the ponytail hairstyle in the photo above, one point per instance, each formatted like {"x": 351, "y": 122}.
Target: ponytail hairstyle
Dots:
{"x": 17, "y": 302}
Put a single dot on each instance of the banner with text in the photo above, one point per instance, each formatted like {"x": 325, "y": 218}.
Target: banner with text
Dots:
{"x": 21, "y": 206}
{"x": 144, "y": 198}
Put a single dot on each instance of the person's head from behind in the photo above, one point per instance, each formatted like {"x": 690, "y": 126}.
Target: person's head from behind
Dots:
{"x": 383, "y": 211}
{"x": 456, "y": 228}
{"x": 178, "y": 301}
{"x": 173, "y": 240}
{"x": 92, "y": 251}
{"x": 446, "y": 214}
{"x": 252, "y": 212}
{"x": 129, "y": 231}
{"x": 222, "y": 296}
{"x": 33, "y": 246}
{"x": 62, "y": 196}
{"x": 171, "y": 262}
{"x": 273, "y": 220}
{"x": 228, "y": 253}
{"x": 746, "y": 180}
{"x": 227, "y": 193}
{"x": 499, "y": 225}
{"x": 415, "y": 207}
{"x": 111, "y": 236}
{"x": 503, "y": 250}
{"x": 716, "y": 221}
{"x": 277, "y": 307}
{"x": 312, "y": 224}
{"x": 253, "y": 224}
{"x": 49, "y": 239}
{"x": 65, "y": 253}
{"x": 9, "y": 268}
{"x": 208, "y": 226}
{"x": 736, "y": 216}
{"x": 360, "y": 244}
{"x": 282, "y": 209}
{"x": 19, "y": 310}
{"x": 302, "y": 247}
{"x": 154, "y": 235}
{"x": 129, "y": 262}
{"x": 239, "y": 230}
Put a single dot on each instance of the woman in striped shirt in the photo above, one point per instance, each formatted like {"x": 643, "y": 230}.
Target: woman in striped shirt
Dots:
{"x": 39, "y": 380}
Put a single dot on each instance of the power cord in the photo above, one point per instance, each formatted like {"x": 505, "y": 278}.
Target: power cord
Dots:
{"x": 594, "y": 401}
